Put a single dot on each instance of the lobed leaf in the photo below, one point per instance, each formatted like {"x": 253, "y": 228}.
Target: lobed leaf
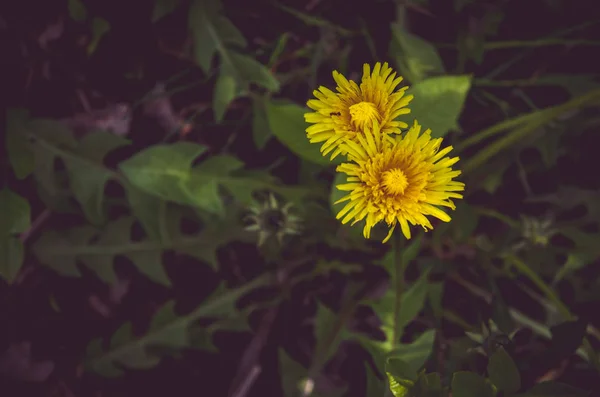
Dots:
{"x": 416, "y": 58}
{"x": 439, "y": 102}
{"x": 167, "y": 329}
{"x": 15, "y": 219}
{"x": 213, "y": 33}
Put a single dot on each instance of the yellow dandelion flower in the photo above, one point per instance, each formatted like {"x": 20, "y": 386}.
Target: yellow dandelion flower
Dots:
{"x": 402, "y": 181}
{"x": 344, "y": 115}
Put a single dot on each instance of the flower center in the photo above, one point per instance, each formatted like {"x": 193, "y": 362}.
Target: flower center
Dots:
{"x": 394, "y": 181}
{"x": 363, "y": 113}
{"x": 272, "y": 220}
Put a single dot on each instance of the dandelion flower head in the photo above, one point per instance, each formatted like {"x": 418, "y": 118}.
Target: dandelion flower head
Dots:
{"x": 343, "y": 115}
{"x": 272, "y": 219}
{"x": 400, "y": 182}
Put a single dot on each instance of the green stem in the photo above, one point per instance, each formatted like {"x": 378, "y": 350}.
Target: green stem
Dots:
{"x": 528, "y": 124}
{"x": 398, "y": 283}
{"x": 538, "y": 43}
{"x": 506, "y": 141}
{"x": 528, "y": 50}
{"x": 498, "y": 45}
{"x": 490, "y": 213}
{"x": 483, "y": 82}
{"x": 495, "y": 129}
{"x": 456, "y": 319}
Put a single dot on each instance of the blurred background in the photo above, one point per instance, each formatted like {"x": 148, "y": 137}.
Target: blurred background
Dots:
{"x": 167, "y": 228}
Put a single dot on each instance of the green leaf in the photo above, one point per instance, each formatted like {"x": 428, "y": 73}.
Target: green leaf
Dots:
{"x": 260, "y": 125}
{"x": 586, "y": 249}
{"x": 553, "y": 389}
{"x": 411, "y": 251}
{"x": 164, "y": 170}
{"x": 279, "y": 49}
{"x": 15, "y": 219}
{"x": 575, "y": 85}
{"x": 292, "y": 373}
{"x": 225, "y": 92}
{"x": 400, "y": 369}
{"x": 18, "y": 148}
{"x": 149, "y": 210}
{"x": 61, "y": 252}
{"x": 167, "y": 330}
{"x": 218, "y": 168}
{"x": 375, "y": 386}
{"x": 16, "y": 214}
{"x": 574, "y": 262}
{"x": 87, "y": 174}
{"x": 400, "y": 376}
{"x": 398, "y": 388}
{"x": 469, "y": 384}
{"x": 408, "y": 253}
{"x": 503, "y": 372}
{"x": 98, "y": 249}
{"x": 475, "y": 47}
{"x": 527, "y": 125}
{"x": 325, "y": 322}
{"x": 294, "y": 380}
{"x": 427, "y": 385}
{"x": 415, "y": 354}
{"x": 52, "y": 140}
{"x": 311, "y": 20}
{"x": 11, "y": 258}
{"x": 492, "y": 179}
{"x": 460, "y": 4}
{"x": 549, "y": 147}
{"x": 220, "y": 165}
{"x": 434, "y": 383}
{"x": 411, "y": 303}
{"x": 464, "y": 221}
{"x": 438, "y": 102}
{"x": 500, "y": 310}
{"x": 569, "y": 197}
{"x": 436, "y": 295}
{"x": 416, "y": 58}
{"x": 213, "y": 33}
{"x": 77, "y": 10}
{"x": 55, "y": 251}
{"x": 163, "y": 8}
{"x": 286, "y": 122}
{"x": 83, "y": 161}
{"x": 100, "y": 27}
{"x": 247, "y": 70}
